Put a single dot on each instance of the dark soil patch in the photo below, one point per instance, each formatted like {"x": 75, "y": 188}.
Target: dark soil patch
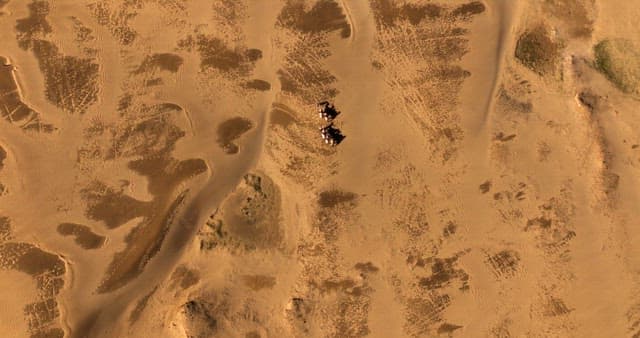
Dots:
{"x": 3, "y": 156}
{"x": 258, "y": 282}
{"x": 84, "y": 237}
{"x": 110, "y": 206}
{"x": 332, "y": 198}
{"x": 260, "y": 85}
{"x": 537, "y": 51}
{"x": 324, "y": 16}
{"x": 214, "y": 53}
{"x": 469, "y": 9}
{"x": 185, "y": 277}
{"x": 485, "y": 187}
{"x": 230, "y": 130}
{"x": 163, "y": 61}
{"x": 5, "y": 229}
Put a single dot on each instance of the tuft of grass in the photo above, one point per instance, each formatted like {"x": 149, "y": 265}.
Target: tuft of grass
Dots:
{"x": 537, "y": 51}
{"x": 619, "y": 61}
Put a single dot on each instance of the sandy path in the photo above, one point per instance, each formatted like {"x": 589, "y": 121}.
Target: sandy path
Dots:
{"x": 360, "y": 89}
{"x": 493, "y": 38}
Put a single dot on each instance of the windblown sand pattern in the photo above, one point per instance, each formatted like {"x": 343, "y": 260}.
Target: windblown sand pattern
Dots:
{"x": 162, "y": 171}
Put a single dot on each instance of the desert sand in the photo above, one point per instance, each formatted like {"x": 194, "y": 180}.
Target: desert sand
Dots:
{"x": 162, "y": 173}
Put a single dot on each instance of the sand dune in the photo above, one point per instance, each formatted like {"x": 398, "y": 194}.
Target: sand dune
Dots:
{"x": 162, "y": 172}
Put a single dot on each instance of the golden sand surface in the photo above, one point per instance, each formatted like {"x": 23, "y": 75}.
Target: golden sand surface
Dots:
{"x": 162, "y": 173}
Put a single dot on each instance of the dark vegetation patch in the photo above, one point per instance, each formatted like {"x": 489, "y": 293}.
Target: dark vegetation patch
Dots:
{"x": 47, "y": 271}
{"x": 5, "y": 229}
{"x": 539, "y": 223}
{"x": 335, "y": 209}
{"x": 257, "y": 84}
{"x": 389, "y": 13}
{"x": 513, "y": 102}
{"x": 504, "y": 263}
{"x": 214, "y": 53}
{"x": 84, "y": 237}
{"x": 468, "y": 9}
{"x": 619, "y": 61}
{"x": 347, "y": 286}
{"x": 416, "y": 13}
{"x": 298, "y": 311}
{"x": 3, "y": 156}
{"x": 537, "y": 50}
{"x": 35, "y": 25}
{"x": 332, "y": 198}
{"x": 165, "y": 174}
{"x": 184, "y": 277}
{"x": 502, "y": 137}
{"x": 449, "y": 73}
{"x": 555, "y": 307}
{"x": 447, "y": 328}
{"x": 230, "y": 130}
{"x": 82, "y": 33}
{"x": 306, "y": 79}
{"x": 324, "y": 16}
{"x": 162, "y": 61}
{"x": 116, "y": 19}
{"x": 31, "y": 260}
{"x": 153, "y": 82}
{"x": 71, "y": 82}
{"x": 111, "y": 206}
{"x": 367, "y": 267}
{"x": 54, "y": 332}
{"x": 443, "y": 272}
{"x": 259, "y": 282}
{"x": 485, "y": 187}
{"x": 450, "y": 229}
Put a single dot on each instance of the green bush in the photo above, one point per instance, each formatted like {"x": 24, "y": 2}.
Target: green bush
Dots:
{"x": 619, "y": 61}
